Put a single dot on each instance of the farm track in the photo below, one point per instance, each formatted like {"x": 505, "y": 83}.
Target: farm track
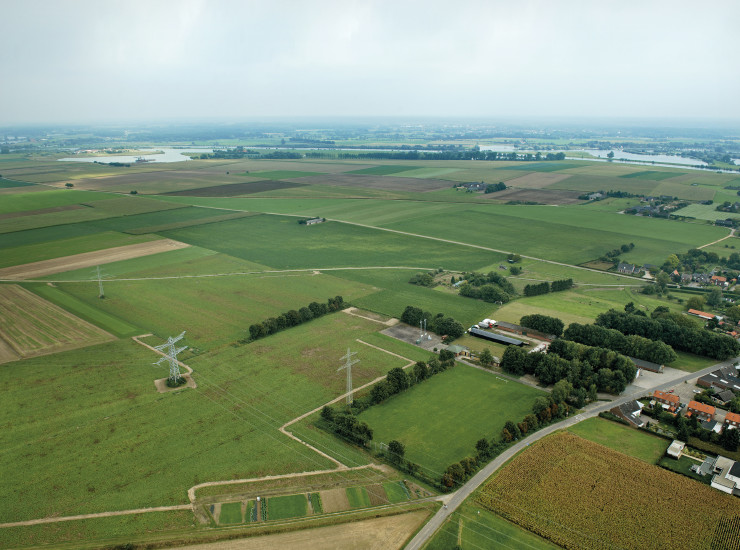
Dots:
{"x": 732, "y": 233}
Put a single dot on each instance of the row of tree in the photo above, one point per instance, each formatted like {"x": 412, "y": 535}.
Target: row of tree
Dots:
{"x": 474, "y": 154}
{"x": 683, "y": 338}
{"x": 544, "y": 288}
{"x": 632, "y": 345}
{"x": 439, "y": 324}
{"x": 292, "y": 318}
{"x": 543, "y": 323}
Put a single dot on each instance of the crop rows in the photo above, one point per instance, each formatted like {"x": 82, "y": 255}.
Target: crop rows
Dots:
{"x": 583, "y": 495}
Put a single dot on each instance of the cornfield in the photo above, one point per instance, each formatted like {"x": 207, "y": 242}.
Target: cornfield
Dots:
{"x": 581, "y": 494}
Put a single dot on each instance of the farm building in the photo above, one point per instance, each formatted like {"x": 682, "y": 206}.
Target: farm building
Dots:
{"x": 724, "y": 397}
{"x": 676, "y": 449}
{"x": 524, "y": 331}
{"x": 313, "y": 221}
{"x": 719, "y": 281}
{"x": 700, "y": 410}
{"x": 646, "y": 365}
{"x": 493, "y": 337}
{"x": 701, "y": 314}
{"x": 630, "y": 412}
{"x": 627, "y": 269}
{"x": 669, "y": 401}
{"x": 459, "y": 351}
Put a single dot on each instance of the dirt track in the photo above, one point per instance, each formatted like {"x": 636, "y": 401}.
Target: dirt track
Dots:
{"x": 88, "y": 259}
{"x": 381, "y": 533}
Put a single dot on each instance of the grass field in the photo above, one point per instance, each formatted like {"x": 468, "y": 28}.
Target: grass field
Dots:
{"x": 386, "y": 170}
{"x": 316, "y": 506}
{"x": 7, "y": 184}
{"x": 655, "y": 175}
{"x": 46, "y": 199}
{"x": 289, "y": 506}
{"x": 704, "y": 212}
{"x": 472, "y": 526}
{"x": 283, "y": 174}
{"x": 358, "y": 497}
{"x": 231, "y": 512}
{"x": 582, "y": 495}
{"x": 435, "y": 429}
{"x": 621, "y": 438}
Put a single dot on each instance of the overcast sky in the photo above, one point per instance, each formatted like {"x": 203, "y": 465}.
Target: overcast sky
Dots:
{"x": 89, "y": 61}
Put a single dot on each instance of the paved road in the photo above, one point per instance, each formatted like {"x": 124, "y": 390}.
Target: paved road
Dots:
{"x": 593, "y": 409}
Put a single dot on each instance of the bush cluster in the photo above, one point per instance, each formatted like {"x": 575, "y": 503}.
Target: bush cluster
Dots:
{"x": 439, "y": 324}
{"x": 543, "y": 323}
{"x": 633, "y": 345}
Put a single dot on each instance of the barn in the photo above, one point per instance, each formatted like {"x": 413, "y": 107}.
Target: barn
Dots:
{"x": 493, "y": 337}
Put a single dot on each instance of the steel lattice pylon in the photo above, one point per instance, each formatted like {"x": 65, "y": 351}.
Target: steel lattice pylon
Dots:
{"x": 348, "y": 365}
{"x": 171, "y": 355}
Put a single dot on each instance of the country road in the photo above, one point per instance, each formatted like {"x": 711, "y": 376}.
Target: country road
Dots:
{"x": 478, "y": 479}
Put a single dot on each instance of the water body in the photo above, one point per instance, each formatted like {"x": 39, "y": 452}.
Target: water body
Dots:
{"x": 664, "y": 159}
{"x": 167, "y": 155}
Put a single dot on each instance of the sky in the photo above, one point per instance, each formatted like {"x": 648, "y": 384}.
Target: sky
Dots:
{"x": 82, "y": 61}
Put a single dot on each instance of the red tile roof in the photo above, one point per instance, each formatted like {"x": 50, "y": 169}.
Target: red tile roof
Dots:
{"x": 718, "y": 278}
{"x": 702, "y": 314}
{"x": 732, "y": 417}
{"x": 701, "y": 407}
{"x": 666, "y": 396}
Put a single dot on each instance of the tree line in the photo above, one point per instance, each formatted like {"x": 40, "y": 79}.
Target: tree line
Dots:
{"x": 545, "y": 287}
{"x": 684, "y": 338}
{"x": 543, "y": 323}
{"x": 474, "y": 154}
{"x": 292, "y": 318}
{"x": 633, "y": 345}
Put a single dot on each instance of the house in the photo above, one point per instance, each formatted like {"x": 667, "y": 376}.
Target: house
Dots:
{"x": 726, "y": 476}
{"x": 701, "y": 278}
{"x": 675, "y": 449}
{"x": 702, "y": 314}
{"x": 700, "y": 410}
{"x": 630, "y": 412}
{"x": 669, "y": 401}
{"x": 459, "y": 351}
{"x": 474, "y": 186}
{"x": 686, "y": 278}
{"x": 729, "y": 222}
{"x": 732, "y": 421}
{"x": 595, "y": 196}
{"x": 718, "y": 280}
{"x": 628, "y": 269}
{"x": 725, "y": 396}
{"x": 725, "y": 378}
{"x": 646, "y": 365}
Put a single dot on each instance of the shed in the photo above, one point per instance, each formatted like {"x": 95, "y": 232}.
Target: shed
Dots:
{"x": 459, "y": 350}
{"x": 646, "y": 365}
{"x": 675, "y": 449}
{"x": 493, "y": 337}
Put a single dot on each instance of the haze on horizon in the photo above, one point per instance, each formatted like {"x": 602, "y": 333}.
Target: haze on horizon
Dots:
{"x": 86, "y": 61}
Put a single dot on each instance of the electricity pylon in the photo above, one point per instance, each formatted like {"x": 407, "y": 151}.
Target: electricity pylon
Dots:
{"x": 348, "y": 365}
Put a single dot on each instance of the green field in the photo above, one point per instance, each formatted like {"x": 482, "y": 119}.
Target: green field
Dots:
{"x": 21, "y": 202}
{"x": 289, "y": 506}
{"x": 316, "y": 505}
{"x": 624, "y": 439}
{"x": 358, "y": 497}
{"x": 704, "y": 212}
{"x": 473, "y": 526}
{"x": 7, "y": 184}
{"x": 383, "y": 170}
{"x": 651, "y": 175}
{"x": 396, "y": 492}
{"x": 436, "y": 430}
{"x": 231, "y": 512}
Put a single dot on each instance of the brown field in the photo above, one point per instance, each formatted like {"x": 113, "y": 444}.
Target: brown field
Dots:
{"x": 386, "y": 533}
{"x": 537, "y": 180}
{"x": 237, "y": 189}
{"x": 334, "y": 500}
{"x": 387, "y": 183}
{"x": 544, "y": 196}
{"x": 88, "y": 259}
{"x": 32, "y": 326}
{"x": 580, "y": 494}
{"x": 40, "y": 210}
{"x": 161, "y": 181}
{"x": 377, "y": 495}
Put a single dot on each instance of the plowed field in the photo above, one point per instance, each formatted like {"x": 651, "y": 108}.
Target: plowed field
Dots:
{"x": 32, "y": 326}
